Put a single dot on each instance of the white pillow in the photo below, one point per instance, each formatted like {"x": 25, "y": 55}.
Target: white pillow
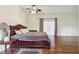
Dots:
{"x": 18, "y": 31}
{"x": 24, "y": 30}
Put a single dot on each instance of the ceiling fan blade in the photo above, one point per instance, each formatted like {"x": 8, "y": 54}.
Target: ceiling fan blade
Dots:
{"x": 39, "y": 10}
{"x": 28, "y": 8}
{"x": 33, "y": 5}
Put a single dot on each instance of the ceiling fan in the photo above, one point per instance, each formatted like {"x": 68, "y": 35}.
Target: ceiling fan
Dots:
{"x": 33, "y": 9}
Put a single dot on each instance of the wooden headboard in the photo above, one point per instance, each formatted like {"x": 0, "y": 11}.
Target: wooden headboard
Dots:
{"x": 12, "y": 30}
{"x": 16, "y": 27}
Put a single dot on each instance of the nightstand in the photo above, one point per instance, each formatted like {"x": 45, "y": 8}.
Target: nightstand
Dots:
{"x": 5, "y": 43}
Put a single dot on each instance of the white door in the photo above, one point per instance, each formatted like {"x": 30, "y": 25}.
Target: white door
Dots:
{"x": 49, "y": 26}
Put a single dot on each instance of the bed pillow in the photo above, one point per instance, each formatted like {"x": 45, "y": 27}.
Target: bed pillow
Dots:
{"x": 18, "y": 32}
{"x": 24, "y": 30}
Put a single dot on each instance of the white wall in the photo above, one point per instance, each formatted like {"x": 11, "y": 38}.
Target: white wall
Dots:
{"x": 78, "y": 27}
{"x": 67, "y": 22}
{"x": 12, "y": 15}
{"x": 78, "y": 20}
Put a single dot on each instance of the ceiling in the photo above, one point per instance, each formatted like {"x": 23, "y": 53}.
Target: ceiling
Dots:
{"x": 54, "y": 8}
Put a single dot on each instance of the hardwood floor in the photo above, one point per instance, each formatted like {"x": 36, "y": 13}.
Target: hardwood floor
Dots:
{"x": 67, "y": 44}
{"x": 63, "y": 45}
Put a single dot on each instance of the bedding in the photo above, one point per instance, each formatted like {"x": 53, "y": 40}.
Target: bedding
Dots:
{"x": 31, "y": 36}
{"x": 24, "y": 30}
{"x": 18, "y": 31}
{"x": 21, "y": 31}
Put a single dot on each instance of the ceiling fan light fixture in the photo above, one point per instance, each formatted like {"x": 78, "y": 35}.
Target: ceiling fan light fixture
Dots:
{"x": 33, "y": 12}
{"x": 33, "y": 9}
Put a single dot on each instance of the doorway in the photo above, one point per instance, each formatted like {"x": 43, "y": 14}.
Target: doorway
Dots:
{"x": 49, "y": 25}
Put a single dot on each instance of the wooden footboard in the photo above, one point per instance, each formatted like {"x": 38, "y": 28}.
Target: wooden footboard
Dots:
{"x": 30, "y": 44}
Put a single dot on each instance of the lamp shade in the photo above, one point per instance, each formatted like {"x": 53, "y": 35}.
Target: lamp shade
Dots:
{"x": 4, "y": 25}
{"x": 4, "y": 31}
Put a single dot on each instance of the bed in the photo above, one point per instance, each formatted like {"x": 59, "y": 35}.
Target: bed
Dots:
{"x": 29, "y": 39}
